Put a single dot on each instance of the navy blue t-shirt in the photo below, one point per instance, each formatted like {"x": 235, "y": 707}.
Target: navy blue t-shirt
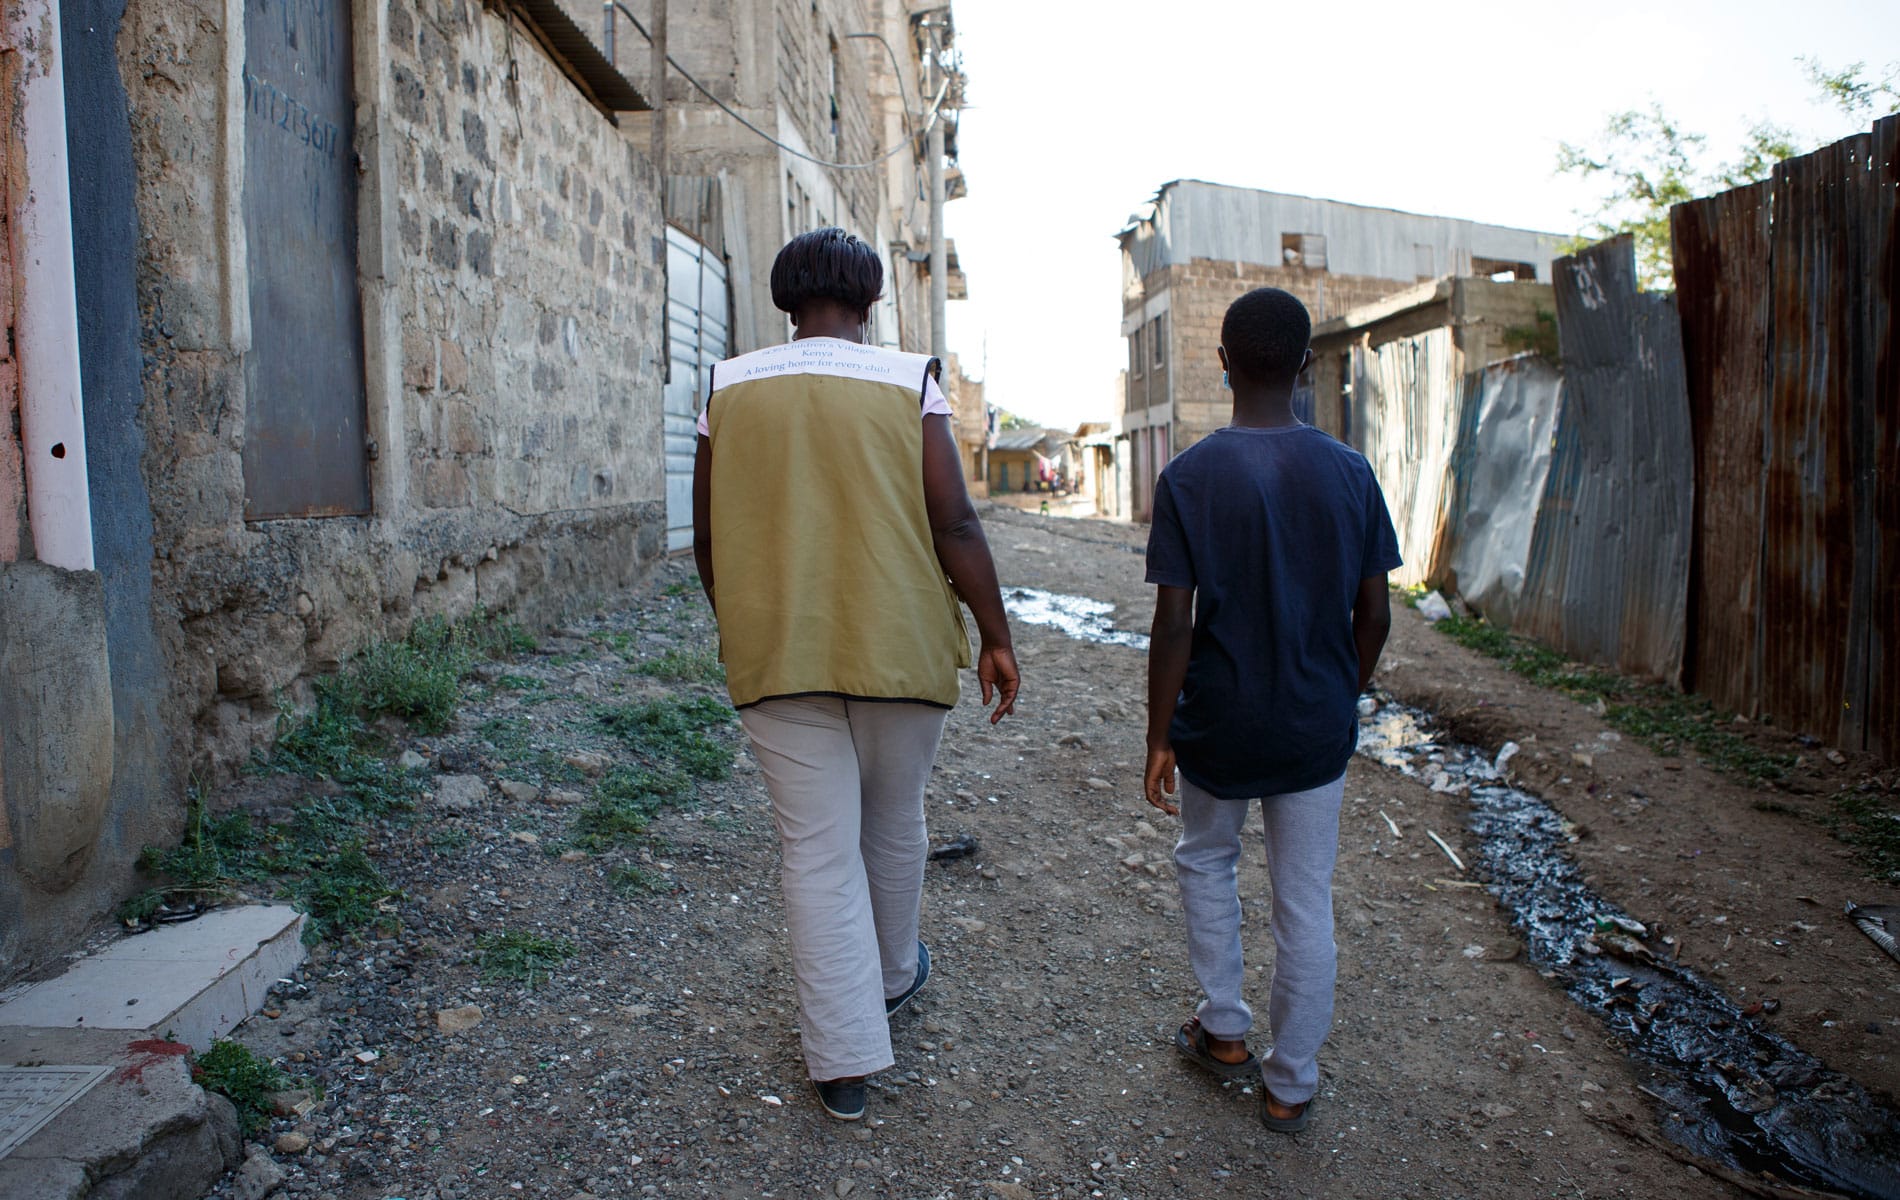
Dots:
{"x": 1273, "y": 529}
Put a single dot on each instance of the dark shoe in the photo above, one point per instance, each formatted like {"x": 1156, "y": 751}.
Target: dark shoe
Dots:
{"x": 1191, "y": 1041}
{"x": 894, "y": 1003}
{"x": 1293, "y": 1124}
{"x": 842, "y": 1098}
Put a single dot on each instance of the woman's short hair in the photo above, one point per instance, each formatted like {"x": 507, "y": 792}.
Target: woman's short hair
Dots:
{"x": 826, "y": 264}
{"x": 1266, "y": 333}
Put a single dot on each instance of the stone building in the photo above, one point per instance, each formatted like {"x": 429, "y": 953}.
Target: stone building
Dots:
{"x": 368, "y": 319}
{"x": 812, "y": 113}
{"x": 1201, "y": 245}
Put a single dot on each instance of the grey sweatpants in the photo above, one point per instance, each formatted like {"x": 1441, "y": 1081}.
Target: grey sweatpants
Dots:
{"x": 847, "y": 780}
{"x": 1302, "y": 845}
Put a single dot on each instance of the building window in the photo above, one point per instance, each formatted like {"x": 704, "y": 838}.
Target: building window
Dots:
{"x": 1136, "y": 359}
{"x": 1157, "y": 334}
{"x": 1501, "y": 269}
{"x": 837, "y": 135}
{"x": 1305, "y": 250}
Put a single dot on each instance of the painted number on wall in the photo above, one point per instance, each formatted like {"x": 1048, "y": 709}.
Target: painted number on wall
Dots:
{"x": 279, "y": 108}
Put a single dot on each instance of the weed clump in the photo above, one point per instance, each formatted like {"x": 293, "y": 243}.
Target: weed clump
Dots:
{"x": 514, "y": 954}
{"x": 684, "y": 666}
{"x": 230, "y": 1069}
{"x": 674, "y": 732}
{"x": 1667, "y": 720}
{"x": 624, "y": 804}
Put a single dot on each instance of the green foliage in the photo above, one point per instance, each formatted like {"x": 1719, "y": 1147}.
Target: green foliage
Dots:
{"x": 1650, "y": 163}
{"x": 514, "y": 954}
{"x": 230, "y": 1069}
{"x": 1870, "y": 822}
{"x": 689, "y": 586}
{"x": 1540, "y": 337}
{"x": 1007, "y": 420}
{"x": 1668, "y": 721}
{"x": 1856, "y": 97}
{"x": 684, "y": 666}
{"x": 633, "y": 879}
{"x": 624, "y": 805}
{"x": 673, "y": 732}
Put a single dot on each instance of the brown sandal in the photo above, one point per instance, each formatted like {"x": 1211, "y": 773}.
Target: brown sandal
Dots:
{"x": 1191, "y": 1041}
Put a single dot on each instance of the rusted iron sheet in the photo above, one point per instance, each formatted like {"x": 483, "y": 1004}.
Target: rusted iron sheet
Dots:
{"x": 304, "y": 417}
{"x": 1406, "y": 419}
{"x": 1818, "y": 553}
{"x": 1608, "y": 576}
{"x": 1722, "y": 292}
{"x": 1499, "y": 470}
{"x": 1882, "y": 338}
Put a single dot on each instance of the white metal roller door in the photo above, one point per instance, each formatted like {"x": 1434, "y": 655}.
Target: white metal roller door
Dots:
{"x": 697, "y": 321}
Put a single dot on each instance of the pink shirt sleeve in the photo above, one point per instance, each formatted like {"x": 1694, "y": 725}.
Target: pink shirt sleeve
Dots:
{"x": 934, "y": 403}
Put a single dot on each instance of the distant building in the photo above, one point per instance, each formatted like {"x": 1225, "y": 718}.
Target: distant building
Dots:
{"x": 1203, "y": 244}
{"x": 973, "y": 424}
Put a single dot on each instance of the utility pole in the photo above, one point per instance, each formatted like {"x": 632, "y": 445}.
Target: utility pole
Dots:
{"x": 939, "y": 253}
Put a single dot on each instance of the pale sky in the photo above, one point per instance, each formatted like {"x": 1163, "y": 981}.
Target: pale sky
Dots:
{"x": 1078, "y": 113}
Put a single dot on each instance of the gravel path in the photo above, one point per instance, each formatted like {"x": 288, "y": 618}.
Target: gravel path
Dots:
{"x": 660, "y": 1058}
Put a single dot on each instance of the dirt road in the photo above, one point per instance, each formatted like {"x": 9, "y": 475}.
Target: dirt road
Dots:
{"x": 661, "y": 1058}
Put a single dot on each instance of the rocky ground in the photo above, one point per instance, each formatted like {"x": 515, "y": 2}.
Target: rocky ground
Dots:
{"x": 656, "y": 1052}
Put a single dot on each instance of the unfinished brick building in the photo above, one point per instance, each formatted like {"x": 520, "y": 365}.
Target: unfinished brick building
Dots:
{"x": 1201, "y": 245}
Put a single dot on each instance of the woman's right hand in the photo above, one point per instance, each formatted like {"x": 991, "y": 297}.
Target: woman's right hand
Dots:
{"x": 996, "y": 671}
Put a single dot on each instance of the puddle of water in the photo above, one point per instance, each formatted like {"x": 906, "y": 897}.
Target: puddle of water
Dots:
{"x": 1077, "y": 616}
{"x": 1743, "y": 1095}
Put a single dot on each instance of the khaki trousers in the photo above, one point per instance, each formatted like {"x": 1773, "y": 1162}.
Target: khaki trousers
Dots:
{"x": 846, "y": 778}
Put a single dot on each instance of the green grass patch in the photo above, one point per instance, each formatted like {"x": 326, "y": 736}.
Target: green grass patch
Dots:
{"x": 684, "y": 666}
{"x": 674, "y": 733}
{"x": 248, "y": 1080}
{"x": 635, "y": 880}
{"x": 528, "y": 957}
{"x": 1869, "y": 821}
{"x": 319, "y": 857}
{"x": 518, "y": 683}
{"x": 685, "y": 587}
{"x": 624, "y": 805}
{"x": 1668, "y": 721}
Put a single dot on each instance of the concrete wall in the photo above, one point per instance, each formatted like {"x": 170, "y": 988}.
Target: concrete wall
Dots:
{"x": 86, "y": 766}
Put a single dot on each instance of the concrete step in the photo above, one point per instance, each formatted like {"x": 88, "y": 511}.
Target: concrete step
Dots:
{"x": 93, "y": 1068}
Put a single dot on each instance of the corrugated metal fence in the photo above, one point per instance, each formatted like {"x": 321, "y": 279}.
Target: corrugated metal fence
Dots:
{"x": 1608, "y": 573}
{"x": 1787, "y": 295}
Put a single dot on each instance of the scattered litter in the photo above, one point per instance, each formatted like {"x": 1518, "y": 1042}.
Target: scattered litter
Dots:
{"x": 1449, "y": 852}
{"x": 772, "y": 1101}
{"x": 1367, "y": 706}
{"x": 1881, "y": 922}
{"x": 1619, "y": 921}
{"x": 961, "y": 846}
{"x": 1458, "y": 883}
{"x": 367, "y": 1056}
{"x": 1506, "y": 753}
{"x": 1393, "y": 825}
{"x": 1433, "y": 608}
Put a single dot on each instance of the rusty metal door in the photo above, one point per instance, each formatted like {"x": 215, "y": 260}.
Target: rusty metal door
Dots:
{"x": 303, "y": 431}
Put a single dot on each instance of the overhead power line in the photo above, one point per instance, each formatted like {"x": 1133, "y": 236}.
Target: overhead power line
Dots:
{"x": 936, "y": 106}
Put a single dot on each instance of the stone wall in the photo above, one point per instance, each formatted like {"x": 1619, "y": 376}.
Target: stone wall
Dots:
{"x": 510, "y": 267}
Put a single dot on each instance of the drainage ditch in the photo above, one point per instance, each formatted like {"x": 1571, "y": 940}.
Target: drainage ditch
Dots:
{"x": 1736, "y": 1092}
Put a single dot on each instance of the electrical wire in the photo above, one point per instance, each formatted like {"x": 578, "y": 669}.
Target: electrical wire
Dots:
{"x": 897, "y": 72}
{"x": 936, "y": 111}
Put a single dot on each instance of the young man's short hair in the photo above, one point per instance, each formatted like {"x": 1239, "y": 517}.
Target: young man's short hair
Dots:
{"x": 826, "y": 264}
{"x": 1266, "y": 333}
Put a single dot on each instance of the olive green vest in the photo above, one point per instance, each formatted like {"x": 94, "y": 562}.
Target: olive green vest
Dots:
{"x": 826, "y": 576}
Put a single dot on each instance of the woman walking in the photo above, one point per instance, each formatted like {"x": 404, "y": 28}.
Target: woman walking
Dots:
{"x": 834, "y": 535}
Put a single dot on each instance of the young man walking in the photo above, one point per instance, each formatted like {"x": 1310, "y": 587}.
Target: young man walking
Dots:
{"x": 1270, "y": 547}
